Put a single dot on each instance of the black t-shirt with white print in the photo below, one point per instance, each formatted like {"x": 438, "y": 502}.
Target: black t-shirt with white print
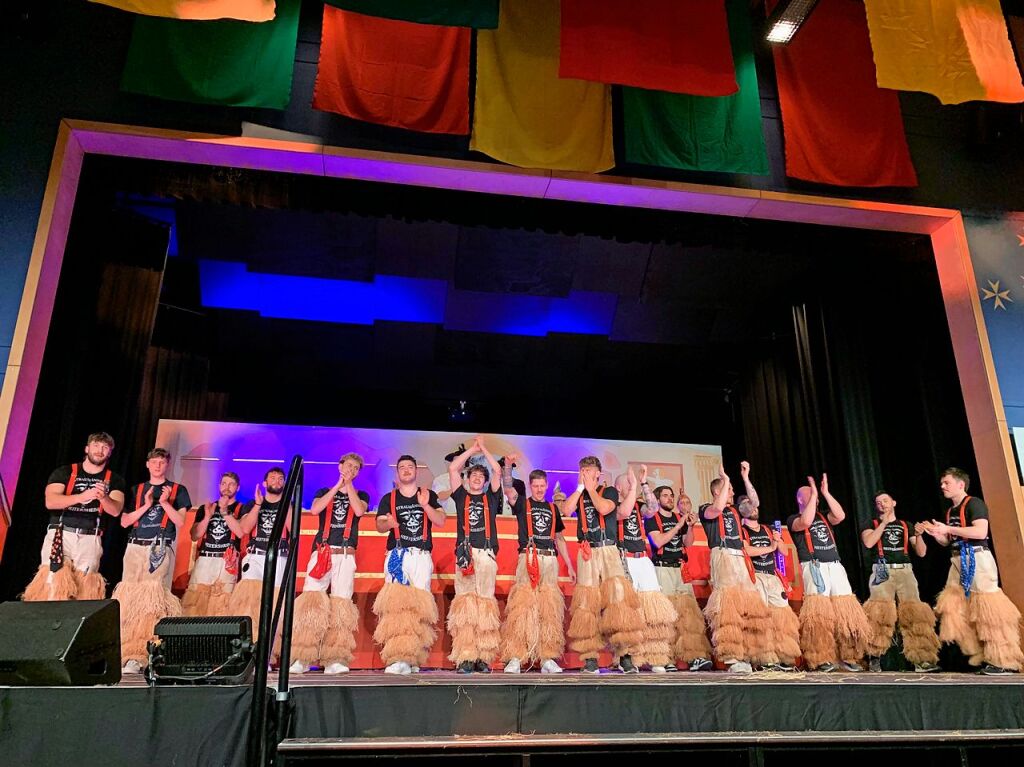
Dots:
{"x": 148, "y": 527}
{"x": 542, "y": 515}
{"x": 893, "y": 542}
{"x": 82, "y": 515}
{"x": 344, "y": 531}
{"x": 479, "y": 523}
{"x": 673, "y": 552}
{"x": 259, "y": 538}
{"x": 728, "y": 522}
{"x": 974, "y": 509}
{"x": 217, "y": 537}
{"x": 599, "y": 528}
{"x": 823, "y": 548}
{"x": 414, "y": 528}
{"x": 629, "y": 534}
{"x": 762, "y": 538}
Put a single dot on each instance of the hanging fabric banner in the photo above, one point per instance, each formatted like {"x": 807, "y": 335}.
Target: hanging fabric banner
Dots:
{"x": 957, "y": 50}
{"x": 840, "y": 128}
{"x": 701, "y": 132}
{"x": 413, "y": 76}
{"x": 680, "y": 46}
{"x": 523, "y": 113}
{"x": 480, "y": 14}
{"x": 234, "y": 63}
{"x": 197, "y": 10}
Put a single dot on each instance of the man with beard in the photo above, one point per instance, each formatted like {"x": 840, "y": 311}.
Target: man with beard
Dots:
{"x": 474, "y": 620}
{"x": 605, "y": 609}
{"x": 669, "y": 533}
{"x": 77, "y": 497}
{"x": 738, "y": 618}
{"x": 659, "y": 616}
{"x": 218, "y": 530}
{"x": 892, "y": 581}
{"x": 973, "y": 611}
{"x": 405, "y": 608}
{"x": 145, "y": 588}
{"x": 258, "y": 517}
{"x": 760, "y": 543}
{"x": 833, "y": 626}
{"x": 332, "y": 566}
{"x": 534, "y": 630}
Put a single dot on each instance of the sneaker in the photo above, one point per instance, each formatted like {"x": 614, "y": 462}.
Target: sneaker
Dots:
{"x": 626, "y": 665}
{"x": 590, "y": 667}
{"x": 671, "y": 668}
{"x": 769, "y": 667}
{"x": 658, "y": 670}
{"x": 513, "y": 666}
{"x": 414, "y": 669}
{"x": 482, "y": 667}
{"x": 466, "y": 667}
{"x": 926, "y": 668}
{"x": 787, "y": 667}
{"x": 825, "y": 668}
{"x": 336, "y": 668}
{"x": 854, "y": 668}
{"x": 874, "y": 664}
{"x": 550, "y": 667}
{"x": 702, "y": 664}
{"x": 132, "y": 667}
{"x": 988, "y": 669}
{"x": 398, "y": 667}
{"x": 740, "y": 667}
{"x": 298, "y": 667}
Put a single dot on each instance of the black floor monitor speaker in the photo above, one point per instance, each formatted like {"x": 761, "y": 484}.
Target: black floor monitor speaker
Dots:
{"x": 60, "y": 643}
{"x": 197, "y": 650}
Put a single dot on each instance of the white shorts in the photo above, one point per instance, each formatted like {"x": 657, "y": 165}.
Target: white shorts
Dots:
{"x": 833, "y": 576}
{"x": 417, "y": 567}
{"x": 642, "y": 574}
{"x": 254, "y": 564}
{"x": 84, "y": 550}
{"x": 339, "y": 580}
{"x": 210, "y": 570}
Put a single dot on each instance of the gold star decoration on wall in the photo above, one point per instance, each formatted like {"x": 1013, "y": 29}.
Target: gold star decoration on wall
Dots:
{"x": 997, "y": 296}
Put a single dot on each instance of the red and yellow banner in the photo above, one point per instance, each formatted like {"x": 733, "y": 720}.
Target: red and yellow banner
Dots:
{"x": 197, "y": 10}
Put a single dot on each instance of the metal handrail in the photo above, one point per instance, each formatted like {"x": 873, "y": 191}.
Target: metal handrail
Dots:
{"x": 259, "y": 751}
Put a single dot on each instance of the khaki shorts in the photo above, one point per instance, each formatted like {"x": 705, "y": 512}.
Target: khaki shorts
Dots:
{"x": 772, "y": 592}
{"x": 210, "y": 570}
{"x": 670, "y": 579}
{"x": 136, "y": 565}
{"x": 986, "y": 574}
{"x": 481, "y": 581}
{"x": 84, "y": 550}
{"x": 604, "y": 563}
{"x": 548, "y": 570}
{"x": 729, "y": 570}
{"x": 901, "y": 585}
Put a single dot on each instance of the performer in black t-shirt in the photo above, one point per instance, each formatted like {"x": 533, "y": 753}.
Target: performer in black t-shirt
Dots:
{"x": 258, "y": 518}
{"x": 760, "y": 543}
{"x": 892, "y": 579}
{"x": 332, "y": 566}
{"x": 833, "y": 626}
{"x": 670, "y": 531}
{"x": 534, "y": 631}
{"x": 738, "y": 618}
{"x": 605, "y": 609}
{"x": 217, "y": 530}
{"x": 474, "y": 620}
{"x": 158, "y": 509}
{"x": 77, "y": 497}
{"x": 405, "y": 607}
{"x": 973, "y": 611}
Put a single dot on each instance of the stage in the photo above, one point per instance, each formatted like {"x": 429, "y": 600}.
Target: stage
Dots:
{"x": 440, "y": 712}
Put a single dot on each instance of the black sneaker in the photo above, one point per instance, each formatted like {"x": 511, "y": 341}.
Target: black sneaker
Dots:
{"x": 626, "y": 665}
{"x": 590, "y": 666}
{"x": 670, "y": 667}
{"x": 466, "y": 667}
{"x": 989, "y": 670}
{"x": 701, "y": 664}
{"x": 874, "y": 664}
{"x": 482, "y": 667}
{"x": 787, "y": 667}
{"x": 826, "y": 668}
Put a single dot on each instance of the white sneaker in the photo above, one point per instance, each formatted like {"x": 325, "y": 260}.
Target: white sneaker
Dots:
{"x": 550, "y": 667}
{"x": 336, "y": 668}
{"x": 413, "y": 669}
{"x": 398, "y": 667}
{"x": 298, "y": 667}
{"x": 659, "y": 670}
{"x": 513, "y": 666}
{"x": 740, "y": 667}
{"x": 132, "y": 667}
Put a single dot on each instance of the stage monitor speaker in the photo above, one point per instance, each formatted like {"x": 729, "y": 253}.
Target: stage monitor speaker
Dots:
{"x": 196, "y": 650}
{"x": 60, "y": 643}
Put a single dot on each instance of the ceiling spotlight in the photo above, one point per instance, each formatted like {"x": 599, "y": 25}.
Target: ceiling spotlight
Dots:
{"x": 785, "y": 21}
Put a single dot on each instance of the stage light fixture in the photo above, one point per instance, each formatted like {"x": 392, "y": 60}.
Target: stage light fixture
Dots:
{"x": 201, "y": 650}
{"x": 785, "y": 21}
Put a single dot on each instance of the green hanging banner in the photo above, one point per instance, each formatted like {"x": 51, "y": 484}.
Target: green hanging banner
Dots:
{"x": 235, "y": 63}
{"x": 712, "y": 133}
{"x": 479, "y": 14}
